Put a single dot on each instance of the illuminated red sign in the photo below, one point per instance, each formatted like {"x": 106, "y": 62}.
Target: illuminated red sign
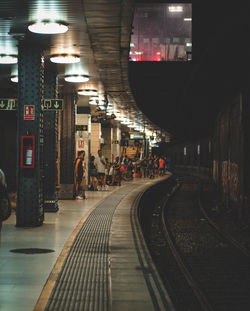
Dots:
{"x": 29, "y": 112}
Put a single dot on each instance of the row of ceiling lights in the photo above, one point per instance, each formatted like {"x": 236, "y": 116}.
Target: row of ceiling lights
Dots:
{"x": 46, "y": 27}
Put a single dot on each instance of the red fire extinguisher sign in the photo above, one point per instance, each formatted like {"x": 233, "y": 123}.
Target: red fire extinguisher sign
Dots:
{"x": 29, "y": 112}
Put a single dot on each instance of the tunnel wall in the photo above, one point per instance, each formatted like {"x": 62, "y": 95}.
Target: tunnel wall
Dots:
{"x": 221, "y": 157}
{"x": 228, "y": 155}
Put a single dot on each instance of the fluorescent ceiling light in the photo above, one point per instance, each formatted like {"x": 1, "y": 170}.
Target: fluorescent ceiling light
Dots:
{"x": 132, "y": 125}
{"x": 102, "y": 107}
{"x": 175, "y": 9}
{"x": 47, "y": 27}
{"x": 94, "y": 97}
{"x": 187, "y": 19}
{"x": 76, "y": 78}
{"x": 8, "y": 59}
{"x": 14, "y": 79}
{"x": 87, "y": 92}
{"x": 65, "y": 58}
{"x": 93, "y": 102}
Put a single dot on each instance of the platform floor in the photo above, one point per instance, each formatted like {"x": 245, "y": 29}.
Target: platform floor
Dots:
{"x": 23, "y": 277}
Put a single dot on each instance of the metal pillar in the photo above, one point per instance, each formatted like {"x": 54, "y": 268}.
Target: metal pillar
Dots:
{"x": 29, "y": 211}
{"x": 50, "y": 146}
{"x": 245, "y": 154}
{"x": 67, "y": 146}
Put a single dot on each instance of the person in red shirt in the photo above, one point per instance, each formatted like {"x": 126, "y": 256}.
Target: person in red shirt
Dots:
{"x": 161, "y": 166}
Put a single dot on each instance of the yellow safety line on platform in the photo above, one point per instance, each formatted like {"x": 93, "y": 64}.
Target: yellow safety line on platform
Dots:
{"x": 49, "y": 285}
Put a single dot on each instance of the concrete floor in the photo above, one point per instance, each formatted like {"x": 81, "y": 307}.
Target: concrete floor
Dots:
{"x": 23, "y": 276}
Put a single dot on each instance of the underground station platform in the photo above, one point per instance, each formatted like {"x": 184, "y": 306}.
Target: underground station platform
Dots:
{"x": 90, "y": 255}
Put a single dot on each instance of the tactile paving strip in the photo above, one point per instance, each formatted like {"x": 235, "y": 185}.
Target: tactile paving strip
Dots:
{"x": 83, "y": 283}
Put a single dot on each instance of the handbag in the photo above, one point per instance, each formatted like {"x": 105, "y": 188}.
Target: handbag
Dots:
{"x": 5, "y": 207}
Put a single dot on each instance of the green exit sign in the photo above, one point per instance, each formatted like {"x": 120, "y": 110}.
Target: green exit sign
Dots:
{"x": 52, "y": 104}
{"x": 8, "y": 103}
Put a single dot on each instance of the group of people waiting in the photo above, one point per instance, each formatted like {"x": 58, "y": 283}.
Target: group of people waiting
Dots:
{"x": 103, "y": 173}
{"x": 151, "y": 166}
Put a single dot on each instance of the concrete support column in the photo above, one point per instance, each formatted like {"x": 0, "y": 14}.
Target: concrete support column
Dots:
{"x": 30, "y": 212}
{"x": 83, "y": 122}
{"x": 95, "y": 143}
{"x": 107, "y": 134}
{"x": 116, "y": 143}
{"x": 245, "y": 154}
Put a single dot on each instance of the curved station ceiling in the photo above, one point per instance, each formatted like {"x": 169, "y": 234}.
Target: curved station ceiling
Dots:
{"x": 180, "y": 98}
{"x": 98, "y": 39}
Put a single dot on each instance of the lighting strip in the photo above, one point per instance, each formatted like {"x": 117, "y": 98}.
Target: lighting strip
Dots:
{"x": 14, "y": 79}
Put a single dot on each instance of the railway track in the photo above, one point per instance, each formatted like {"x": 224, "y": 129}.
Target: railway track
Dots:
{"x": 201, "y": 266}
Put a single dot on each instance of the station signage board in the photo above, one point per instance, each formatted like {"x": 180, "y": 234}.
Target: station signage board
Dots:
{"x": 136, "y": 136}
{"x": 81, "y": 127}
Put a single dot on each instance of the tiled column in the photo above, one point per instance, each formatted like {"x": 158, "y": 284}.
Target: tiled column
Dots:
{"x": 95, "y": 143}
{"x": 67, "y": 147}
{"x": 115, "y": 145}
{"x": 82, "y": 136}
{"x": 30, "y": 211}
{"x": 107, "y": 134}
{"x": 50, "y": 145}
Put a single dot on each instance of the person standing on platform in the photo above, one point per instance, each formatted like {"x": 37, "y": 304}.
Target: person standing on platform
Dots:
{"x": 116, "y": 172}
{"x": 79, "y": 169}
{"x": 93, "y": 174}
{"x": 161, "y": 166}
{"x": 151, "y": 167}
{"x": 100, "y": 164}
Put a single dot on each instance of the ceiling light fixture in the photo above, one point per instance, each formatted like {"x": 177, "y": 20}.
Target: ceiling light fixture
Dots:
{"x": 65, "y": 58}
{"x": 102, "y": 107}
{"x": 94, "y": 98}
{"x": 175, "y": 8}
{"x": 76, "y": 78}
{"x": 14, "y": 79}
{"x": 93, "y": 102}
{"x": 8, "y": 59}
{"x": 88, "y": 92}
{"x": 48, "y": 27}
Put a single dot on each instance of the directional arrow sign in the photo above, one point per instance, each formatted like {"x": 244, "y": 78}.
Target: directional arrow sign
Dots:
{"x": 8, "y": 103}
{"x": 46, "y": 104}
{"x": 52, "y": 104}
